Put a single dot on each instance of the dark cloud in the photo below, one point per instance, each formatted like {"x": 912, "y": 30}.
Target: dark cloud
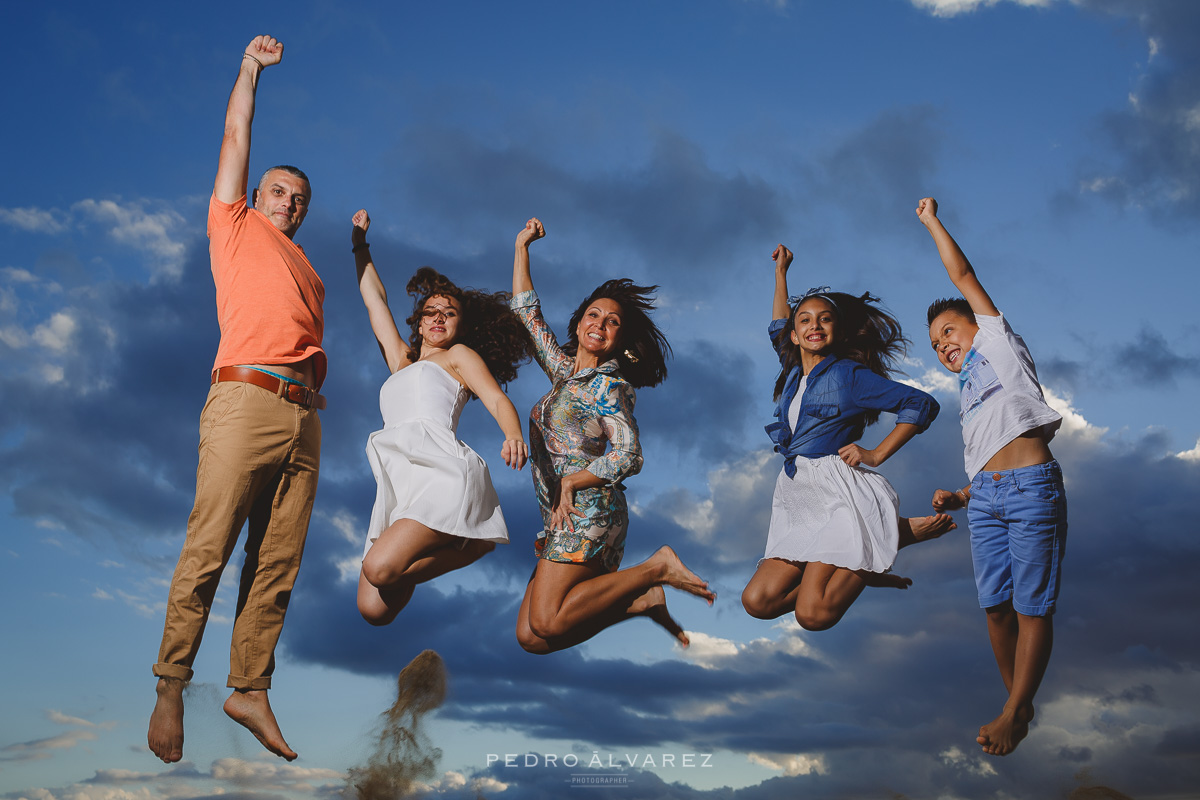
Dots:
{"x": 1155, "y": 163}
{"x": 1150, "y": 361}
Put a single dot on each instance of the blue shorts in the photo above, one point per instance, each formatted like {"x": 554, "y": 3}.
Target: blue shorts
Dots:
{"x": 1018, "y": 521}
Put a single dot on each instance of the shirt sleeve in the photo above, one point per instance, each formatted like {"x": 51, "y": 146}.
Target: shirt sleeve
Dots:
{"x": 775, "y": 331}
{"x": 912, "y": 406}
{"x": 624, "y": 457}
{"x": 549, "y": 355}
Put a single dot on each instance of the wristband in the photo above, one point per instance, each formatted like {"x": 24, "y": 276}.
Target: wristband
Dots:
{"x": 255, "y": 60}
{"x": 360, "y": 246}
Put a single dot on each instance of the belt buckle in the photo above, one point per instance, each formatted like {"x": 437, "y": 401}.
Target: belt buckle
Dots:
{"x": 304, "y": 397}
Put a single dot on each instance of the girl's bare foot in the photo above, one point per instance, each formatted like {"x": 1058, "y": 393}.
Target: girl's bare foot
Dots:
{"x": 252, "y": 710}
{"x": 653, "y": 605}
{"x": 165, "y": 736}
{"x": 931, "y": 527}
{"x": 678, "y": 576}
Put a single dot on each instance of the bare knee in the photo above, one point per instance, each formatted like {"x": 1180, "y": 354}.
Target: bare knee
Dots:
{"x": 378, "y": 572}
{"x": 544, "y": 626}
{"x": 816, "y": 618}
{"x": 530, "y": 642}
{"x": 376, "y": 612}
{"x": 757, "y": 602}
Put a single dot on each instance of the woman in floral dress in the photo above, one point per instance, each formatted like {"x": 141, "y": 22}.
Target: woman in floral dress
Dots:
{"x": 577, "y": 589}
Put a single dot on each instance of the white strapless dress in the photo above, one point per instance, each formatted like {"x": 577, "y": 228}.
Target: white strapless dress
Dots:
{"x": 423, "y": 471}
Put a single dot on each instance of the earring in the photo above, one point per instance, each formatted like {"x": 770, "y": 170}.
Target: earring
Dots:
{"x": 632, "y": 358}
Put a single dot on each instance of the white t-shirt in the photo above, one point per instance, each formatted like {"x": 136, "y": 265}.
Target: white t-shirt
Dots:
{"x": 794, "y": 408}
{"x": 1000, "y": 397}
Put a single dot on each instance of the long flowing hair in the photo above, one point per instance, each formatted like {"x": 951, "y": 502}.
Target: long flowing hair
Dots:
{"x": 486, "y": 324}
{"x": 865, "y": 333}
{"x": 642, "y": 349}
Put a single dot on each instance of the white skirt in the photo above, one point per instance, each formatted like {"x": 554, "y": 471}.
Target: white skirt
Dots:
{"x": 835, "y": 514}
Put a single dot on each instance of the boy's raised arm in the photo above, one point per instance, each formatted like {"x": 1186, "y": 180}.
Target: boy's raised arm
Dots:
{"x": 961, "y": 273}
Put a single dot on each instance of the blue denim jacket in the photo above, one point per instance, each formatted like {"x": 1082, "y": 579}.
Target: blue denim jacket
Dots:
{"x": 838, "y": 394}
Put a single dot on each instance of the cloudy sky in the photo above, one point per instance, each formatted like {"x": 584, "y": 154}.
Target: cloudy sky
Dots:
{"x": 676, "y": 143}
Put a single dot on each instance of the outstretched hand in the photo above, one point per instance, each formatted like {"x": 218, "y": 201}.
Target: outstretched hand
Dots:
{"x": 533, "y": 231}
{"x": 927, "y": 209}
{"x": 783, "y": 258}
{"x": 266, "y": 50}
{"x": 361, "y": 221}
{"x": 514, "y": 452}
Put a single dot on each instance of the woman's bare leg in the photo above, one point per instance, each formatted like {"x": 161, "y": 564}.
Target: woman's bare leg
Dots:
{"x": 772, "y": 590}
{"x": 566, "y": 604}
{"x": 405, "y": 554}
{"x": 827, "y": 592}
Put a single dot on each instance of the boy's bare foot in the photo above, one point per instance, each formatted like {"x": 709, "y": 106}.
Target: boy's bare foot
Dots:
{"x": 885, "y": 580}
{"x": 252, "y": 710}
{"x": 931, "y": 527}
{"x": 165, "y": 735}
{"x": 1002, "y": 735}
{"x": 677, "y": 576}
{"x": 653, "y": 605}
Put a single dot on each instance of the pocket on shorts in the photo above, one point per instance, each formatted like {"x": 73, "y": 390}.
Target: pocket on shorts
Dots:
{"x": 1040, "y": 487}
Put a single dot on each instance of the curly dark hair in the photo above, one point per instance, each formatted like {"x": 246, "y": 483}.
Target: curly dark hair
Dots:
{"x": 865, "y": 333}
{"x": 486, "y": 324}
{"x": 639, "y": 336}
{"x": 955, "y": 304}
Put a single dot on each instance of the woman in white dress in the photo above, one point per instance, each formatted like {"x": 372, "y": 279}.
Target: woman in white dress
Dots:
{"x": 835, "y": 526}
{"x": 435, "y": 507}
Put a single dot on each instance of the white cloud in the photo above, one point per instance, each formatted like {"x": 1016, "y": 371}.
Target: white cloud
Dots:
{"x": 1073, "y": 425}
{"x": 35, "y": 220}
{"x": 16, "y": 275}
{"x": 952, "y": 8}
{"x": 55, "y": 334}
{"x": 954, "y": 757}
{"x": 151, "y": 232}
{"x": 934, "y": 381}
{"x": 791, "y": 765}
{"x": 1190, "y": 455}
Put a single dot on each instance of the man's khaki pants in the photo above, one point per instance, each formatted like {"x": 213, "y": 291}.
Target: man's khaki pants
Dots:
{"x": 259, "y": 458}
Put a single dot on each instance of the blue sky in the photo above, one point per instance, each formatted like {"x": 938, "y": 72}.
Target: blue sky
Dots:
{"x": 675, "y": 143}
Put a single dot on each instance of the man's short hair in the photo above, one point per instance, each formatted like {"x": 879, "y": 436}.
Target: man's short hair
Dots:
{"x": 955, "y": 304}
{"x": 289, "y": 169}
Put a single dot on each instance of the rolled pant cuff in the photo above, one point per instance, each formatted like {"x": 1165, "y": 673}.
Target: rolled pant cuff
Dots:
{"x": 173, "y": 671}
{"x": 244, "y": 684}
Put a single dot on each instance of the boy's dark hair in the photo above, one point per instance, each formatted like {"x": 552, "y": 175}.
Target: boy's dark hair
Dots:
{"x": 866, "y": 333}
{"x": 639, "y": 337}
{"x": 486, "y": 324}
{"x": 955, "y": 304}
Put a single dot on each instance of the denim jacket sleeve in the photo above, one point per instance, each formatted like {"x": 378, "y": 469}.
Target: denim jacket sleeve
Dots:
{"x": 775, "y": 331}
{"x": 549, "y": 355}
{"x": 624, "y": 457}
{"x": 912, "y": 406}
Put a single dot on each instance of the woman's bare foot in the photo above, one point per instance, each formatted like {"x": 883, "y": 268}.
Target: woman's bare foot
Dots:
{"x": 165, "y": 735}
{"x": 1002, "y": 735}
{"x": 931, "y": 527}
{"x": 653, "y": 605}
{"x": 252, "y": 710}
{"x": 885, "y": 580}
{"x": 678, "y": 576}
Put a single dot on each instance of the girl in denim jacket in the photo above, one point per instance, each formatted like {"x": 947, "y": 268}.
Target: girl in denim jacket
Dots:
{"x": 835, "y": 526}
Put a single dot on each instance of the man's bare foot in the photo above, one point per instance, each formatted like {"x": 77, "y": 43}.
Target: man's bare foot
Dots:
{"x": 677, "y": 576}
{"x": 885, "y": 580}
{"x": 252, "y": 711}
{"x": 1002, "y": 735}
{"x": 653, "y": 605}
{"x": 165, "y": 735}
{"x": 931, "y": 527}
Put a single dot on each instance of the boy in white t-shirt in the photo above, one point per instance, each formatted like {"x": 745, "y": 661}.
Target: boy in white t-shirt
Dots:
{"x": 1016, "y": 506}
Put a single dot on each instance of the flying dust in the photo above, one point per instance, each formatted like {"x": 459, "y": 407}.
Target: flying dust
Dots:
{"x": 403, "y": 755}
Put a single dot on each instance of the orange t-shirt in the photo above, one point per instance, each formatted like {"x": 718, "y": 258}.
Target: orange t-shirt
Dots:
{"x": 268, "y": 295}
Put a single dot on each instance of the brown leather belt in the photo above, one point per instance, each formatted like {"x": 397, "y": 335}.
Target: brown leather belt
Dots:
{"x": 295, "y": 392}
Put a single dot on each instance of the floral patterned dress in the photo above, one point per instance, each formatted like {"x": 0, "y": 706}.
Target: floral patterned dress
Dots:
{"x": 583, "y": 415}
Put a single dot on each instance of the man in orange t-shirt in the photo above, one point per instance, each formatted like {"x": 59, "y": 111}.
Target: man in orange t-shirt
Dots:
{"x": 260, "y": 436}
